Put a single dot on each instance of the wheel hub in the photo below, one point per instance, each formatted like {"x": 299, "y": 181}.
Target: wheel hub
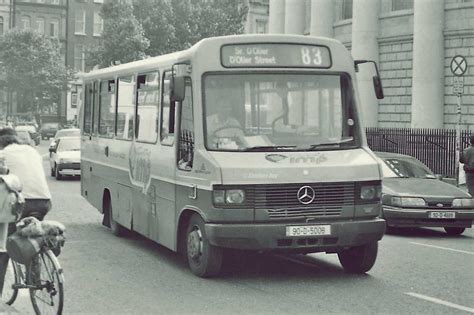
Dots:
{"x": 195, "y": 244}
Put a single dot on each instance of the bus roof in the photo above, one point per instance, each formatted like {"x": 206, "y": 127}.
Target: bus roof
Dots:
{"x": 184, "y": 55}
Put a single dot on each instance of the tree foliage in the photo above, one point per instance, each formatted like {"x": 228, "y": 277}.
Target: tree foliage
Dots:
{"x": 33, "y": 68}
{"x": 123, "y": 38}
{"x": 166, "y": 25}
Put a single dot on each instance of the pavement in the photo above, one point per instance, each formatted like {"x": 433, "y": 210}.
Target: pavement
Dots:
{"x": 7, "y": 309}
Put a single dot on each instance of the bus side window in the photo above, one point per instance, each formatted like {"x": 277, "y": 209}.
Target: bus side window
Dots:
{"x": 147, "y": 99}
{"x": 125, "y": 108}
{"x": 167, "y": 112}
{"x": 106, "y": 108}
{"x": 95, "y": 107}
{"x": 186, "y": 132}
{"x": 87, "y": 109}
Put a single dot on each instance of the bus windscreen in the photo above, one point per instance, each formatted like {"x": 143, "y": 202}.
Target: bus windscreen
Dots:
{"x": 275, "y": 55}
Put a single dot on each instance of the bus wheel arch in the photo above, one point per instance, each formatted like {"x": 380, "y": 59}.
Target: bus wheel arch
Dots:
{"x": 204, "y": 259}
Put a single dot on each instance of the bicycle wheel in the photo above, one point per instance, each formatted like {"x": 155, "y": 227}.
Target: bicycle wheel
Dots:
{"x": 47, "y": 295}
{"x": 12, "y": 279}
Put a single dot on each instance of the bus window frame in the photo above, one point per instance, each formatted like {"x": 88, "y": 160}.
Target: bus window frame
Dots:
{"x": 117, "y": 80}
{"x": 162, "y": 138}
{"x": 156, "y": 71}
{"x": 352, "y": 106}
{"x": 188, "y": 82}
{"x": 100, "y": 107}
{"x": 87, "y": 95}
{"x": 95, "y": 101}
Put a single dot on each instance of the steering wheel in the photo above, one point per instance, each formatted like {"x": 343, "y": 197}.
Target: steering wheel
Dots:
{"x": 214, "y": 134}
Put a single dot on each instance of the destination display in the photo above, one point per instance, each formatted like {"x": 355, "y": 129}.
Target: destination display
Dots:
{"x": 275, "y": 55}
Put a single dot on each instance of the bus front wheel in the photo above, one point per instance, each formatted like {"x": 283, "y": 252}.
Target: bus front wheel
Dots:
{"x": 204, "y": 259}
{"x": 359, "y": 259}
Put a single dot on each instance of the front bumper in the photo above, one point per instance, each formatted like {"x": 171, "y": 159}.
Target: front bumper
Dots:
{"x": 272, "y": 236}
{"x": 71, "y": 169}
{"x": 406, "y": 217}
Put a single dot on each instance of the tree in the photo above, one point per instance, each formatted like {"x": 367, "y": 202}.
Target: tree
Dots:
{"x": 33, "y": 69}
{"x": 177, "y": 25}
{"x": 123, "y": 38}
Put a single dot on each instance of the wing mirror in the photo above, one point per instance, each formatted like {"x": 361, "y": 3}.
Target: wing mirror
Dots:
{"x": 375, "y": 79}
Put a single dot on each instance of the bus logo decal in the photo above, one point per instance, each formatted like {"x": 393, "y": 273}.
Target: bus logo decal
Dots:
{"x": 275, "y": 158}
{"x": 306, "y": 195}
{"x": 140, "y": 167}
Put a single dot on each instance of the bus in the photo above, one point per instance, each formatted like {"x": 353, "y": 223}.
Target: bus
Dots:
{"x": 243, "y": 142}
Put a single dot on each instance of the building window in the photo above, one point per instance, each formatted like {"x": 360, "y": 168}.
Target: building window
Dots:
{"x": 346, "y": 9}
{"x": 25, "y": 22}
{"x": 1, "y": 25}
{"x": 55, "y": 1}
{"x": 98, "y": 24}
{"x": 40, "y": 25}
{"x": 98, "y": 1}
{"x": 54, "y": 28}
{"x": 40, "y": 1}
{"x": 80, "y": 27}
{"x": 261, "y": 27}
{"x": 398, "y": 5}
{"x": 79, "y": 62}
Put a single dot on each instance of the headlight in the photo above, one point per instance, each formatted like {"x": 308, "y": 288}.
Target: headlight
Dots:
{"x": 408, "y": 202}
{"x": 370, "y": 192}
{"x": 463, "y": 202}
{"x": 229, "y": 197}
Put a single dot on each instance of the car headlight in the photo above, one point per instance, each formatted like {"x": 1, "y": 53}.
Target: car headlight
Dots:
{"x": 408, "y": 202}
{"x": 463, "y": 202}
{"x": 229, "y": 196}
{"x": 369, "y": 192}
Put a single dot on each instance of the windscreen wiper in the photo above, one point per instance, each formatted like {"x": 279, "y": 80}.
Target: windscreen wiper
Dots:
{"x": 330, "y": 144}
{"x": 265, "y": 148}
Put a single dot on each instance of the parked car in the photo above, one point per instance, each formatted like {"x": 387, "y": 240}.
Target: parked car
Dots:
{"x": 70, "y": 132}
{"x": 413, "y": 196}
{"x": 48, "y": 130}
{"x": 24, "y": 137}
{"x": 32, "y": 130}
{"x": 65, "y": 158}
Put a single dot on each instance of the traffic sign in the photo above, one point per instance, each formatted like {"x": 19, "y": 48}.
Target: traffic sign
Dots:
{"x": 458, "y": 85}
{"x": 458, "y": 65}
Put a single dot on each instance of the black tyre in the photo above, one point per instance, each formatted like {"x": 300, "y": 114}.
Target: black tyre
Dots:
{"x": 115, "y": 227}
{"x": 204, "y": 260}
{"x": 359, "y": 259}
{"x": 47, "y": 295}
{"x": 53, "y": 172}
{"x": 454, "y": 231}
{"x": 12, "y": 277}
{"x": 56, "y": 173}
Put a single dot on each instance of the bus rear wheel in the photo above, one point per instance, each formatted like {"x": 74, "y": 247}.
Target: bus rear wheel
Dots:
{"x": 359, "y": 259}
{"x": 115, "y": 227}
{"x": 204, "y": 259}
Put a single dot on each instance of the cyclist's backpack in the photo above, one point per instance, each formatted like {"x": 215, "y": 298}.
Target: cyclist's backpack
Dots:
{"x": 11, "y": 200}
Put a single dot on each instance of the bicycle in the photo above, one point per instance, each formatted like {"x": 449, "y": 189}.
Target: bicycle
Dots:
{"x": 42, "y": 276}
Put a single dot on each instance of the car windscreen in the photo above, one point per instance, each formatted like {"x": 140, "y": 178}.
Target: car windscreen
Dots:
{"x": 67, "y": 133}
{"x": 69, "y": 145}
{"x": 405, "y": 167}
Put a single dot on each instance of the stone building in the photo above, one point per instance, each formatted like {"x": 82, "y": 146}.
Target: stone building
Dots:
{"x": 257, "y": 17}
{"x": 413, "y": 43}
{"x": 4, "y": 26}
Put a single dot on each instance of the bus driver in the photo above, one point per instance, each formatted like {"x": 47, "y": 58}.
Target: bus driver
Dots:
{"x": 223, "y": 130}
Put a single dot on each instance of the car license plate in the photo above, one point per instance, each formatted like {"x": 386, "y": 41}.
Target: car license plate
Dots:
{"x": 308, "y": 230}
{"x": 442, "y": 215}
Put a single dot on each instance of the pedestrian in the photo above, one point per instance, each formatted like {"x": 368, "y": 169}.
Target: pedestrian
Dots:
{"x": 467, "y": 158}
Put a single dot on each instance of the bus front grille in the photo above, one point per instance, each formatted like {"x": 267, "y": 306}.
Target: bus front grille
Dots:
{"x": 281, "y": 201}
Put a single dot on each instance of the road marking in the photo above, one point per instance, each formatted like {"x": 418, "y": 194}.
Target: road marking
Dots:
{"x": 445, "y": 248}
{"x": 441, "y": 302}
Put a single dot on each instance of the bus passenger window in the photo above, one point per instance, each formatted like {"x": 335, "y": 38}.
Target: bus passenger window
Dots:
{"x": 107, "y": 108}
{"x": 186, "y": 133}
{"x": 125, "y": 108}
{"x": 95, "y": 103}
{"x": 88, "y": 109}
{"x": 148, "y": 89}
{"x": 167, "y": 112}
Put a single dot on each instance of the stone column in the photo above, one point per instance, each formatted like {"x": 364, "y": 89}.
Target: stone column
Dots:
{"x": 294, "y": 17}
{"x": 276, "y": 19}
{"x": 427, "y": 107}
{"x": 322, "y": 18}
{"x": 365, "y": 18}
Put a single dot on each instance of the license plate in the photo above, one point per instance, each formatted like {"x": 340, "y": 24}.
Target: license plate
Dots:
{"x": 442, "y": 215}
{"x": 308, "y": 230}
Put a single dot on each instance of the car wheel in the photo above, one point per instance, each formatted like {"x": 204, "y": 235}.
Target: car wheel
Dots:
{"x": 454, "y": 230}
{"x": 359, "y": 259}
{"x": 56, "y": 171}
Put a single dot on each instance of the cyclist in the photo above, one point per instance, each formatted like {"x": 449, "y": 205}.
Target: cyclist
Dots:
{"x": 27, "y": 164}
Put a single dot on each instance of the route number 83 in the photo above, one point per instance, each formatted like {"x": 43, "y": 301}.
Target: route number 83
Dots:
{"x": 311, "y": 56}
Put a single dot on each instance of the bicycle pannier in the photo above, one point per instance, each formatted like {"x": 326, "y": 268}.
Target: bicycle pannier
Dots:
{"x": 22, "y": 249}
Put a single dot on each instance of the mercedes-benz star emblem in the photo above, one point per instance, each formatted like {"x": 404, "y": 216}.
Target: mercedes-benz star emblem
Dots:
{"x": 306, "y": 195}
